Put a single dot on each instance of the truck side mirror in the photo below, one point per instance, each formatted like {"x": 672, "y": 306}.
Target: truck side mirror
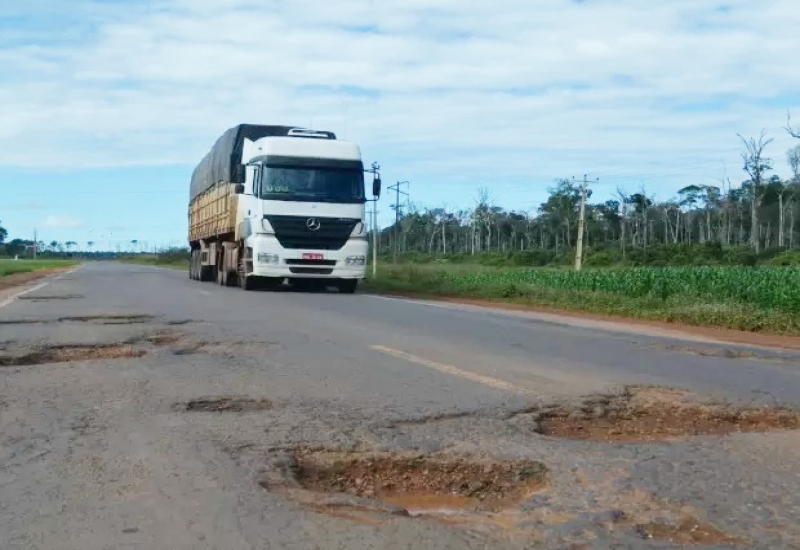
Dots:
{"x": 241, "y": 173}
{"x": 239, "y": 189}
{"x": 376, "y": 187}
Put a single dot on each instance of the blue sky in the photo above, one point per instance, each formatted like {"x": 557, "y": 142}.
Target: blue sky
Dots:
{"x": 107, "y": 105}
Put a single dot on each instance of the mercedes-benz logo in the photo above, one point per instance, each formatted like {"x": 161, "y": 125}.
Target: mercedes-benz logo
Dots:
{"x": 312, "y": 224}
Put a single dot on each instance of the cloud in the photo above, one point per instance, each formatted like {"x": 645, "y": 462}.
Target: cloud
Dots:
{"x": 442, "y": 91}
{"x": 62, "y": 222}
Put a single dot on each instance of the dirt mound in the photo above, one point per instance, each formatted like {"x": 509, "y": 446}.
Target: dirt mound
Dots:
{"x": 421, "y": 483}
{"x": 653, "y": 414}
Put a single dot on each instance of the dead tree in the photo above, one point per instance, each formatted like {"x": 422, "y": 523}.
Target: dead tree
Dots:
{"x": 794, "y": 132}
{"x": 756, "y": 165}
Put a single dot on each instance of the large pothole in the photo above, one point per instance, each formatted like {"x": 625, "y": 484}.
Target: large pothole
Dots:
{"x": 421, "y": 484}
{"x": 67, "y": 353}
{"x": 654, "y": 414}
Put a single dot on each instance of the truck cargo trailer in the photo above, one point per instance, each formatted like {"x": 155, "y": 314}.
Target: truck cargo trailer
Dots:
{"x": 270, "y": 204}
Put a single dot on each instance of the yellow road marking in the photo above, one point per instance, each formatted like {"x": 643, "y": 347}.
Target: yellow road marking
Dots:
{"x": 450, "y": 369}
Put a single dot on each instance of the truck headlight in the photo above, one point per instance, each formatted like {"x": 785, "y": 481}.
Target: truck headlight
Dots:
{"x": 267, "y": 227}
{"x": 355, "y": 260}
{"x": 266, "y": 258}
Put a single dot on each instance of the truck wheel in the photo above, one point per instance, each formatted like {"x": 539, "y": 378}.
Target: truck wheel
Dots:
{"x": 193, "y": 266}
{"x": 245, "y": 283}
{"x": 347, "y": 286}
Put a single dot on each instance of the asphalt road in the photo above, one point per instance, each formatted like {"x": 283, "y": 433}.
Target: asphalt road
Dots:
{"x": 99, "y": 454}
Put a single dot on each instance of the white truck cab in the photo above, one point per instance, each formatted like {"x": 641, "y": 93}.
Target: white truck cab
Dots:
{"x": 300, "y": 209}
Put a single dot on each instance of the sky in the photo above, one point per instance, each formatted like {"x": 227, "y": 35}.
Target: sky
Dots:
{"x": 106, "y": 106}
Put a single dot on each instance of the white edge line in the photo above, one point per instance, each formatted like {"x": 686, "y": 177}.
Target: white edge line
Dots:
{"x": 11, "y": 299}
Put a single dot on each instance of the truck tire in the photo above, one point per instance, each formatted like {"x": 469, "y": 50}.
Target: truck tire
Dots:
{"x": 347, "y": 286}
{"x": 245, "y": 283}
{"x": 193, "y": 265}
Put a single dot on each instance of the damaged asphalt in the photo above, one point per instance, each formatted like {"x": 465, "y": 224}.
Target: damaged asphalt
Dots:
{"x": 174, "y": 414}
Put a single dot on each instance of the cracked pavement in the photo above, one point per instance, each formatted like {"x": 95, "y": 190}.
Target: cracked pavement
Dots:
{"x": 98, "y": 454}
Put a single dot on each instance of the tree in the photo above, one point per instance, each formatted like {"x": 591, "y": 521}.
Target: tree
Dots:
{"x": 794, "y": 132}
{"x": 3, "y": 234}
{"x": 793, "y": 158}
{"x": 755, "y": 165}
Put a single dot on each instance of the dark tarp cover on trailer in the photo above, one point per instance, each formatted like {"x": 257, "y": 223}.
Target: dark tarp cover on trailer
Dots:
{"x": 221, "y": 161}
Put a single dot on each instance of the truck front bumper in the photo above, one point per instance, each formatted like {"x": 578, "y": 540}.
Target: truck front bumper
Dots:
{"x": 271, "y": 260}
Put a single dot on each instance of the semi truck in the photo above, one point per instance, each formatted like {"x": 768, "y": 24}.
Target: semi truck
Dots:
{"x": 271, "y": 204}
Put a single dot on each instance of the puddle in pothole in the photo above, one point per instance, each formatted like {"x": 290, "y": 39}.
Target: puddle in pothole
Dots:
{"x": 67, "y": 353}
{"x": 641, "y": 414}
{"x": 421, "y": 484}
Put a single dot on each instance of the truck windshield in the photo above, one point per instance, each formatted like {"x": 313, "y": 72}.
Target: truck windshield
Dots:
{"x": 312, "y": 184}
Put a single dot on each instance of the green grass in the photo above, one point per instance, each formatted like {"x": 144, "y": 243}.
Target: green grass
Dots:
{"x": 760, "y": 299}
{"x": 8, "y": 267}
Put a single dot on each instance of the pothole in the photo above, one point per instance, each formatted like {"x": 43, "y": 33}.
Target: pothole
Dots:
{"x": 723, "y": 352}
{"x": 220, "y": 348}
{"x": 226, "y": 404}
{"x": 640, "y": 414}
{"x": 51, "y": 297}
{"x": 421, "y": 484}
{"x": 67, "y": 353}
{"x": 687, "y": 531}
{"x": 163, "y": 338}
{"x": 109, "y": 319}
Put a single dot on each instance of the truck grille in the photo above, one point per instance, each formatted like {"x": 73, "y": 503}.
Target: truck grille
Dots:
{"x": 293, "y": 232}
{"x": 310, "y": 270}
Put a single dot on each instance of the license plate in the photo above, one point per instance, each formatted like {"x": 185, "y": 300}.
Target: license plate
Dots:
{"x": 311, "y": 256}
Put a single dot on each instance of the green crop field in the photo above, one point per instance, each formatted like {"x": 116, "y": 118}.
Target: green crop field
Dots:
{"x": 748, "y": 298}
{"x": 8, "y": 267}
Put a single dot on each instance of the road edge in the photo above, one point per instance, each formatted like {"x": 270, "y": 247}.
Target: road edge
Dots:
{"x": 625, "y": 325}
{"x": 34, "y": 285}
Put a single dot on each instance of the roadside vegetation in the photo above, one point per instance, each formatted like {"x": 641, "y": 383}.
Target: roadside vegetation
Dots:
{"x": 177, "y": 258}
{"x": 10, "y": 266}
{"x": 762, "y": 299}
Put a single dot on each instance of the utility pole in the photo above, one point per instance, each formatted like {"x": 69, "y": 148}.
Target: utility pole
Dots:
{"x": 396, "y": 206}
{"x": 581, "y": 223}
{"x": 35, "y": 243}
{"x": 374, "y": 218}
{"x": 375, "y": 170}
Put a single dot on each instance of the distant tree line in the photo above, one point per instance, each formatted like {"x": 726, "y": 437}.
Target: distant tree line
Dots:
{"x": 758, "y": 216}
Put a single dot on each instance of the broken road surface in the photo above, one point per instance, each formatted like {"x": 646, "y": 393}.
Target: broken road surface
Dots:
{"x": 139, "y": 409}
